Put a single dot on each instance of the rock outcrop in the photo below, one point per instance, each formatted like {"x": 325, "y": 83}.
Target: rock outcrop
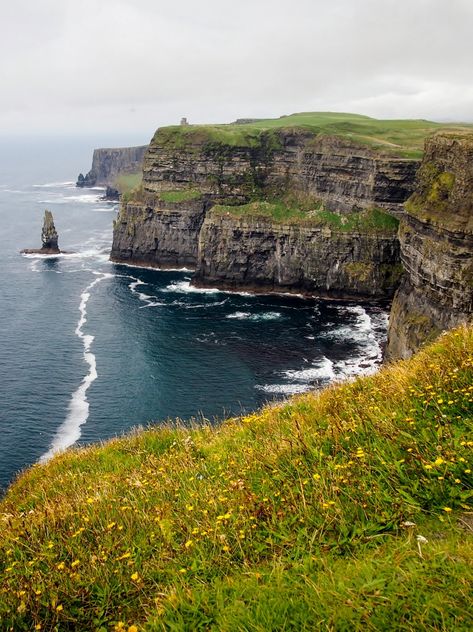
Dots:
{"x": 187, "y": 170}
{"x": 158, "y": 233}
{"x": 49, "y": 238}
{"x": 436, "y": 239}
{"x": 107, "y": 164}
{"x": 260, "y": 254}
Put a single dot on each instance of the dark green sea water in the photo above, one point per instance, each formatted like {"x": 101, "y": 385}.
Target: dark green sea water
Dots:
{"x": 90, "y": 349}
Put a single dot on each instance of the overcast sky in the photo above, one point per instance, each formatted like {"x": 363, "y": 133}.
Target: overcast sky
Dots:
{"x": 132, "y": 65}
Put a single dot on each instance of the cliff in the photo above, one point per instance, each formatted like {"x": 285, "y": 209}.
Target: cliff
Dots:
{"x": 357, "y": 260}
{"x": 187, "y": 170}
{"x": 345, "y": 509}
{"x": 108, "y": 164}
{"x": 436, "y": 239}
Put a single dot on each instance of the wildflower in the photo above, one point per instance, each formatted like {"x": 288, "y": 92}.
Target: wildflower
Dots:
{"x": 37, "y": 626}
{"x": 183, "y": 570}
{"x": 135, "y": 576}
{"x": 59, "y": 608}
{"x": 447, "y": 509}
{"x": 439, "y": 461}
{"x": 188, "y": 544}
{"x": 75, "y": 563}
{"x": 119, "y": 626}
{"x": 60, "y": 566}
{"x": 132, "y": 628}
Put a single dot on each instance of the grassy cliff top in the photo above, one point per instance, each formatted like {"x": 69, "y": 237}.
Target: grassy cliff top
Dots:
{"x": 348, "y": 509}
{"x": 403, "y": 137}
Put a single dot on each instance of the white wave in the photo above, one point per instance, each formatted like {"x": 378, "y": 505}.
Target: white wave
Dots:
{"x": 239, "y": 315}
{"x": 84, "y": 254}
{"x": 54, "y": 185}
{"x": 186, "y": 287}
{"x": 78, "y": 410}
{"x": 134, "y": 265}
{"x": 3, "y": 190}
{"x": 324, "y": 371}
{"x": 86, "y": 198}
{"x": 284, "y": 389}
{"x": 113, "y": 209}
{"x": 150, "y": 301}
{"x": 255, "y": 317}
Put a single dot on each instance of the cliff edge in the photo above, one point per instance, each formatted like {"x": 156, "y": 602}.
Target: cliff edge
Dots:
{"x": 436, "y": 240}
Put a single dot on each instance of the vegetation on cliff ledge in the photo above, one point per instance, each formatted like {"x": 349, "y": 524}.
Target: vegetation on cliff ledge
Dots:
{"x": 344, "y": 509}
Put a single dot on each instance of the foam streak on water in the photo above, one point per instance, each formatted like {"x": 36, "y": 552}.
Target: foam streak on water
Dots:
{"x": 78, "y": 410}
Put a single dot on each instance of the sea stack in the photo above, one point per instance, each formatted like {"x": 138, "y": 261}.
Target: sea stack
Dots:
{"x": 49, "y": 238}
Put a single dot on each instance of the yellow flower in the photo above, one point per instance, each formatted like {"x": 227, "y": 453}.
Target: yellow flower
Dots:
{"x": 59, "y": 608}
{"x": 447, "y": 509}
{"x": 135, "y": 577}
{"x": 188, "y": 544}
{"x": 75, "y": 563}
{"x": 60, "y": 566}
{"x": 439, "y": 461}
{"x": 37, "y": 626}
{"x": 132, "y": 628}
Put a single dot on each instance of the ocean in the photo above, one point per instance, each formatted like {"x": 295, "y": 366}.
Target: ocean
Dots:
{"x": 91, "y": 349}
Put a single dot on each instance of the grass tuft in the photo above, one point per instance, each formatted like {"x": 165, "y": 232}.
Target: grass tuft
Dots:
{"x": 347, "y": 509}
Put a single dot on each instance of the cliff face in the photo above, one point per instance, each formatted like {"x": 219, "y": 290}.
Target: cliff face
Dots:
{"x": 186, "y": 171}
{"x": 436, "y": 238}
{"x": 107, "y": 164}
{"x": 157, "y": 233}
{"x": 332, "y": 169}
{"x": 261, "y": 254}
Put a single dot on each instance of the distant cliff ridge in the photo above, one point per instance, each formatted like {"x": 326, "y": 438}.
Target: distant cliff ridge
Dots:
{"x": 436, "y": 239}
{"x": 108, "y": 164}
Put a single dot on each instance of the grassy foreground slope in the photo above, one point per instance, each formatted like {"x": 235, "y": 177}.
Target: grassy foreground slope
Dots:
{"x": 344, "y": 510}
{"x": 401, "y": 137}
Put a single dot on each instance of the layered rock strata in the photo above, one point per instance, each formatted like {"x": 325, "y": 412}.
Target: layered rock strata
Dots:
{"x": 160, "y": 234}
{"x": 342, "y": 174}
{"x": 259, "y": 254}
{"x": 107, "y": 164}
{"x": 187, "y": 170}
{"x": 436, "y": 239}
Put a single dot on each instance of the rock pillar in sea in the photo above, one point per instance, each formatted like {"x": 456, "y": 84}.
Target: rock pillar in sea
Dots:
{"x": 49, "y": 234}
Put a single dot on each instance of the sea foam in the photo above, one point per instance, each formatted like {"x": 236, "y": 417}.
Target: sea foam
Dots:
{"x": 78, "y": 410}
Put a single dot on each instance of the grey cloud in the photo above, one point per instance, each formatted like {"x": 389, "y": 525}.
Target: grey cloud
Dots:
{"x": 136, "y": 64}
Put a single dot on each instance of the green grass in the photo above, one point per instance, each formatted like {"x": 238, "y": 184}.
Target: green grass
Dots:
{"x": 403, "y": 137}
{"x": 295, "y": 517}
{"x": 185, "y": 195}
{"x": 127, "y": 182}
{"x": 371, "y": 220}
